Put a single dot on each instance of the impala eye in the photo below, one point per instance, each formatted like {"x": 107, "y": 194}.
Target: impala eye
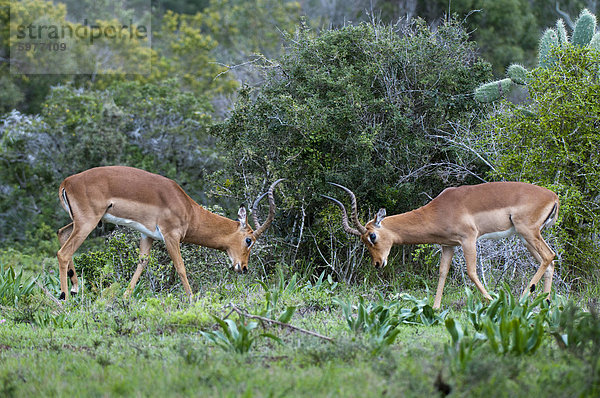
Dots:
{"x": 372, "y": 237}
{"x": 248, "y": 242}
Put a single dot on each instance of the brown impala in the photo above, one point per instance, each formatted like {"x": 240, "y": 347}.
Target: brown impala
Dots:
{"x": 158, "y": 208}
{"x": 460, "y": 216}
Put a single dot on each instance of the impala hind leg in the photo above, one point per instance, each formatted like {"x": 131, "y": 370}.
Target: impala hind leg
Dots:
{"x": 71, "y": 237}
{"x": 445, "y": 262}
{"x": 470, "y": 252}
{"x": 175, "y": 254}
{"x": 145, "y": 246}
{"x": 63, "y": 235}
{"x": 544, "y": 255}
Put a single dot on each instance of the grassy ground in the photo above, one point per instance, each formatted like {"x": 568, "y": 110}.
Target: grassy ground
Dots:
{"x": 153, "y": 346}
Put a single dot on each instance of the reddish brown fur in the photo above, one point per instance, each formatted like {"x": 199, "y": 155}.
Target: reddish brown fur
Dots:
{"x": 458, "y": 216}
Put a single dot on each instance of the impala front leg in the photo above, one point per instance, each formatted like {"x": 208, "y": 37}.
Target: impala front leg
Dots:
{"x": 175, "y": 253}
{"x": 445, "y": 262}
{"x": 470, "y": 252}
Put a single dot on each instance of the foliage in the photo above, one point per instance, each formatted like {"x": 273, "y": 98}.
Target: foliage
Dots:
{"x": 551, "y": 142}
{"x": 153, "y": 346}
{"x": 13, "y": 286}
{"x": 380, "y": 320}
{"x": 583, "y": 33}
{"x": 274, "y": 293}
{"x": 31, "y": 75}
{"x": 234, "y": 336}
{"x": 506, "y": 325}
{"x": 357, "y": 106}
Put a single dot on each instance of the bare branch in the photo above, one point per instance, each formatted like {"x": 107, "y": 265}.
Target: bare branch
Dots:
{"x": 287, "y": 325}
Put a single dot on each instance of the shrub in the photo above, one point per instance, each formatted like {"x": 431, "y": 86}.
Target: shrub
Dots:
{"x": 359, "y": 106}
{"x": 552, "y": 141}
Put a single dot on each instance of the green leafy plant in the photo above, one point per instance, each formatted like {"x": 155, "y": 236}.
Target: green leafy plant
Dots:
{"x": 462, "y": 348}
{"x": 274, "y": 293}
{"x": 13, "y": 286}
{"x": 421, "y": 312}
{"x": 236, "y": 336}
{"x": 60, "y": 321}
{"x": 322, "y": 283}
{"x": 378, "y": 321}
{"x": 508, "y": 325}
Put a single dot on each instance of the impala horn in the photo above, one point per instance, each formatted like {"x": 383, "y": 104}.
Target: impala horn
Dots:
{"x": 260, "y": 229}
{"x": 361, "y": 228}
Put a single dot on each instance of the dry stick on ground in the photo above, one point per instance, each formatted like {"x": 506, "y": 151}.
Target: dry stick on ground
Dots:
{"x": 287, "y": 325}
{"x": 54, "y": 299}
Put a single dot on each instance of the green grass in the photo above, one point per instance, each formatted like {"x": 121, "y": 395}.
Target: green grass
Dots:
{"x": 153, "y": 346}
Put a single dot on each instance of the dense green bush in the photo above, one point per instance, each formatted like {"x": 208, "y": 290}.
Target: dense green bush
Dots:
{"x": 362, "y": 106}
{"x": 552, "y": 141}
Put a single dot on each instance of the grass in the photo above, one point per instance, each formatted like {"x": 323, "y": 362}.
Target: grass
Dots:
{"x": 152, "y": 345}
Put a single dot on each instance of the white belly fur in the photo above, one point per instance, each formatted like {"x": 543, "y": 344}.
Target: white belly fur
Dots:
{"x": 499, "y": 234}
{"x": 156, "y": 234}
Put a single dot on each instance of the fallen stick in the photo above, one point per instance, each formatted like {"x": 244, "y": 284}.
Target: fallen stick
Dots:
{"x": 287, "y": 325}
{"x": 54, "y": 299}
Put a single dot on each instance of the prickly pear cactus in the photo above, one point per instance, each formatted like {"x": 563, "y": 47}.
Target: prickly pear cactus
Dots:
{"x": 585, "y": 27}
{"x": 584, "y": 34}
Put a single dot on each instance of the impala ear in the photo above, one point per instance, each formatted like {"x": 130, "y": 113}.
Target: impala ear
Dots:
{"x": 379, "y": 217}
{"x": 243, "y": 216}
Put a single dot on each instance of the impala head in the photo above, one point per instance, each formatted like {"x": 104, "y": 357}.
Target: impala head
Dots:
{"x": 376, "y": 237}
{"x": 241, "y": 242}
{"x": 244, "y": 238}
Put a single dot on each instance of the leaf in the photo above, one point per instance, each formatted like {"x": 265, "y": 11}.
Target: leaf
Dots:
{"x": 287, "y": 315}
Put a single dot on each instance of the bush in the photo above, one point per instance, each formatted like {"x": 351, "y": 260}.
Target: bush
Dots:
{"x": 359, "y": 106}
{"x": 552, "y": 141}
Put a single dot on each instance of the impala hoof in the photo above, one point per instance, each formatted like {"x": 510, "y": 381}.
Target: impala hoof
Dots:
{"x": 532, "y": 288}
{"x": 62, "y": 296}
{"x": 73, "y": 293}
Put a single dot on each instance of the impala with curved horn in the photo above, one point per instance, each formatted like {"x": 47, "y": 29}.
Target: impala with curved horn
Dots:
{"x": 158, "y": 208}
{"x": 460, "y": 216}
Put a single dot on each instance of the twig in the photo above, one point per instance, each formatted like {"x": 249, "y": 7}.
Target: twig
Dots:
{"x": 54, "y": 299}
{"x": 287, "y": 325}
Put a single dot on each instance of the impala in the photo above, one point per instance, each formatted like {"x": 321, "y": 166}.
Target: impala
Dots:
{"x": 158, "y": 208}
{"x": 460, "y": 216}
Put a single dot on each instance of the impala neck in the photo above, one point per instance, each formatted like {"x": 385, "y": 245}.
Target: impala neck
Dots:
{"x": 209, "y": 229}
{"x": 413, "y": 227}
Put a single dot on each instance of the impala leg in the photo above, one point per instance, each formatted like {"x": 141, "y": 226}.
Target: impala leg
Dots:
{"x": 145, "y": 246}
{"x": 540, "y": 250}
{"x": 470, "y": 251}
{"x": 175, "y": 253}
{"x": 73, "y": 234}
{"x": 63, "y": 235}
{"x": 445, "y": 262}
